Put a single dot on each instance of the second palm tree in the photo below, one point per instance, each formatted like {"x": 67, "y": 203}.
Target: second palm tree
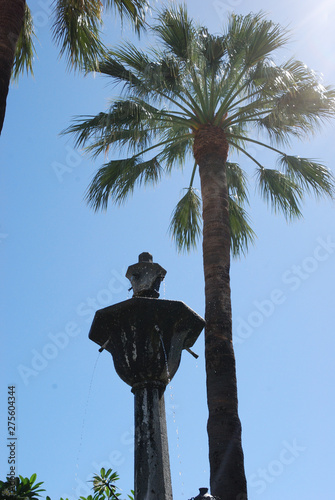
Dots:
{"x": 202, "y": 96}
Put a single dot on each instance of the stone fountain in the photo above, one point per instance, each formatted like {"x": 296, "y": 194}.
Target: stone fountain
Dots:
{"x": 146, "y": 336}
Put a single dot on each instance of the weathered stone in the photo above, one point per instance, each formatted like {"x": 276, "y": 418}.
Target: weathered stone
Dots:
{"x": 146, "y": 337}
{"x": 145, "y": 276}
{"x": 134, "y": 332}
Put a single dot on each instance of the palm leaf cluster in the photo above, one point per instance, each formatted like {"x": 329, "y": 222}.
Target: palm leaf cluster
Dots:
{"x": 25, "y": 49}
{"x": 190, "y": 79}
{"x": 76, "y": 29}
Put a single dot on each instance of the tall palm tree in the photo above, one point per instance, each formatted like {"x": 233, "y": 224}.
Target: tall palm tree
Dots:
{"x": 203, "y": 96}
{"x": 75, "y": 29}
{"x": 11, "y": 21}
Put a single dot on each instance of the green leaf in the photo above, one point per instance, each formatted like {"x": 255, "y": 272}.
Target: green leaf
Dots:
{"x": 176, "y": 152}
{"x": 212, "y": 47}
{"x": 25, "y": 49}
{"x": 241, "y": 234}
{"x": 176, "y": 31}
{"x": 280, "y": 191}
{"x": 309, "y": 175}
{"x": 128, "y": 123}
{"x": 76, "y": 30}
{"x": 133, "y": 10}
{"x": 251, "y": 38}
{"x": 237, "y": 181}
{"x": 185, "y": 226}
{"x": 33, "y": 479}
{"x": 118, "y": 178}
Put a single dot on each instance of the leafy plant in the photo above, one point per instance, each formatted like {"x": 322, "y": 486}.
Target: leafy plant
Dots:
{"x": 20, "y": 488}
{"x": 23, "y": 488}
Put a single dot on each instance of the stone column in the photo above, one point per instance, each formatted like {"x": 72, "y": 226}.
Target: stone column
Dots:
{"x": 146, "y": 337}
{"x": 152, "y": 465}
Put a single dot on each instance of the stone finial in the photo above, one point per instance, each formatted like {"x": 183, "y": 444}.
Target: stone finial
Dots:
{"x": 203, "y": 495}
{"x": 146, "y": 276}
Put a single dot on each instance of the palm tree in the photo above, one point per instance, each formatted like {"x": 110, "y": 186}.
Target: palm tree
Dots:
{"x": 198, "y": 95}
{"x": 11, "y": 21}
{"x": 75, "y": 29}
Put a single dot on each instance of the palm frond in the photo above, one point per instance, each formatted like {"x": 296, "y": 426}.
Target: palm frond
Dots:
{"x": 110, "y": 66}
{"x": 299, "y": 111}
{"x": 185, "y": 226}
{"x": 241, "y": 234}
{"x": 165, "y": 75}
{"x": 309, "y": 175}
{"x": 117, "y": 179}
{"x": 213, "y": 48}
{"x": 299, "y": 72}
{"x": 86, "y": 128}
{"x": 25, "y": 49}
{"x": 125, "y": 117}
{"x": 134, "y": 141}
{"x": 141, "y": 76}
{"x": 237, "y": 181}
{"x": 176, "y": 30}
{"x": 76, "y": 30}
{"x": 268, "y": 79}
{"x": 157, "y": 74}
{"x": 251, "y": 38}
{"x": 281, "y": 192}
{"x": 130, "y": 55}
{"x": 133, "y": 10}
{"x": 176, "y": 151}
{"x": 266, "y": 37}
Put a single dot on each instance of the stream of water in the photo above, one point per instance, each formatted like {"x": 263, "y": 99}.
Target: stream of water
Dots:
{"x": 84, "y": 416}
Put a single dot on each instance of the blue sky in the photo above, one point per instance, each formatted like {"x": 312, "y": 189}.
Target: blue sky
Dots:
{"x": 61, "y": 262}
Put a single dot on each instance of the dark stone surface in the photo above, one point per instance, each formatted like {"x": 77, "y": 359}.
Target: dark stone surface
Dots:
{"x": 145, "y": 276}
{"x": 152, "y": 465}
{"x": 146, "y": 337}
{"x": 135, "y": 329}
{"x": 203, "y": 493}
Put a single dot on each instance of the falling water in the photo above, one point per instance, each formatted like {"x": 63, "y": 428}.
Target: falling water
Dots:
{"x": 84, "y": 417}
{"x": 165, "y": 356}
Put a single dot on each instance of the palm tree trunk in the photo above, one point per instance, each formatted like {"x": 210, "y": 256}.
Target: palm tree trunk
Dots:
{"x": 11, "y": 21}
{"x": 227, "y": 476}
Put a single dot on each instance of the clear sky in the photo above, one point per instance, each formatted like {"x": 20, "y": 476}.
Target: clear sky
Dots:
{"x": 61, "y": 262}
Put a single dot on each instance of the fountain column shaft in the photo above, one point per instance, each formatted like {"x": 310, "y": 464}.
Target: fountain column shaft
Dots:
{"x": 152, "y": 466}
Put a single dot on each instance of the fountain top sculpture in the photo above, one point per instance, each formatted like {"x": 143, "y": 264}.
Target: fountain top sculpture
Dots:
{"x": 145, "y": 276}
{"x": 146, "y": 337}
{"x": 142, "y": 325}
